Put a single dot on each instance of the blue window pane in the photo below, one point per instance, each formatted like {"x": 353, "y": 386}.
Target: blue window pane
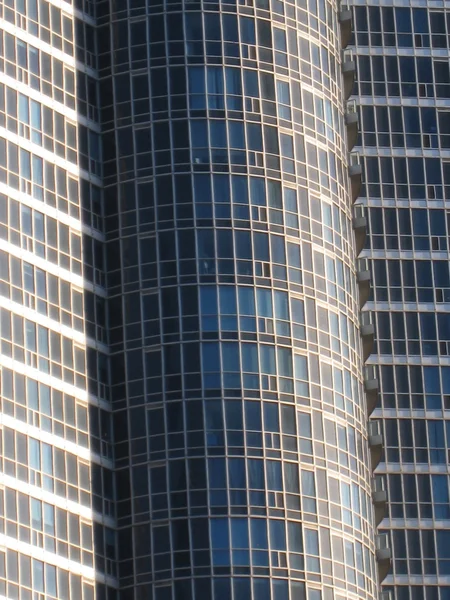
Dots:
{"x": 255, "y": 474}
{"x": 284, "y": 362}
{"x": 274, "y": 479}
{"x": 246, "y": 301}
{"x": 261, "y": 589}
{"x": 217, "y": 473}
{"x": 242, "y": 588}
{"x": 258, "y": 528}
{"x": 443, "y": 544}
{"x": 311, "y": 542}
{"x": 295, "y": 537}
{"x": 264, "y": 299}
{"x": 222, "y": 589}
{"x": 210, "y": 356}
{"x": 227, "y": 296}
{"x": 249, "y": 358}
{"x": 208, "y": 300}
{"x": 277, "y": 535}
{"x": 257, "y": 191}
{"x": 280, "y": 589}
{"x": 34, "y": 453}
{"x": 230, "y": 356}
{"x": 236, "y": 473}
{"x": 267, "y": 354}
{"x": 50, "y": 580}
{"x": 219, "y": 533}
{"x": 239, "y": 533}
{"x": 38, "y": 575}
{"x": 431, "y": 380}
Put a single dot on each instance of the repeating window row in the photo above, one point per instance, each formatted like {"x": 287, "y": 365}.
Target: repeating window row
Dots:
{"x": 220, "y": 425}
{"x": 49, "y": 409}
{"x": 419, "y": 496}
{"x": 57, "y": 531}
{"x": 227, "y": 309}
{"x": 218, "y": 88}
{"x": 406, "y": 76}
{"x": 40, "y": 234}
{"x": 409, "y": 229}
{"x": 407, "y": 178}
{"x": 252, "y": 201}
{"x": 45, "y": 526}
{"x": 26, "y": 284}
{"x": 28, "y": 173}
{"x": 412, "y": 333}
{"x": 415, "y": 386}
{"x": 417, "y": 440}
{"x": 38, "y": 123}
{"x": 420, "y": 552}
{"x": 224, "y": 143}
{"x": 41, "y": 19}
{"x": 207, "y": 253}
{"x": 219, "y": 311}
{"x": 193, "y": 35}
{"x": 43, "y": 349}
{"x": 411, "y": 280}
{"x": 419, "y": 592}
{"x": 239, "y": 588}
{"x": 401, "y": 27}
{"x": 305, "y": 493}
{"x": 23, "y": 577}
{"x": 339, "y": 444}
{"x": 241, "y": 541}
{"x": 32, "y": 66}
{"x": 262, "y": 367}
{"x": 405, "y": 127}
{"x": 46, "y": 466}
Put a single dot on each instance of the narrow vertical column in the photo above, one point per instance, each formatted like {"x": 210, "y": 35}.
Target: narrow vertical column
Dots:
{"x": 403, "y": 87}
{"x": 47, "y": 161}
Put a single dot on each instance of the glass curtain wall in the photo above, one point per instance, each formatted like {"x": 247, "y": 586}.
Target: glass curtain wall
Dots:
{"x": 404, "y": 92}
{"x": 52, "y": 503}
{"x": 240, "y": 424}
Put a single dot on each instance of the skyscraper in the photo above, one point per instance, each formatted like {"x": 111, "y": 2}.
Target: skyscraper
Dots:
{"x": 404, "y": 91}
{"x": 56, "y": 462}
{"x": 184, "y": 405}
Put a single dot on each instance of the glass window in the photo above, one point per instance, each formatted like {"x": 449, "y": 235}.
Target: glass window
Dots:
{"x": 38, "y": 575}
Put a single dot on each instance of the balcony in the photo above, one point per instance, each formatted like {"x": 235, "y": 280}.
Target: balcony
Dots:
{"x": 348, "y": 73}
{"x": 371, "y": 387}
{"x": 379, "y": 498}
{"x": 364, "y": 279}
{"x": 384, "y": 555}
{"x": 355, "y": 174}
{"x": 359, "y": 223}
{"x": 367, "y": 331}
{"x": 345, "y": 23}
{"x": 375, "y": 443}
{"x": 352, "y": 124}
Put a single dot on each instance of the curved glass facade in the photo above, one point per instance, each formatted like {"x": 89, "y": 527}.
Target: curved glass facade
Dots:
{"x": 236, "y": 373}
